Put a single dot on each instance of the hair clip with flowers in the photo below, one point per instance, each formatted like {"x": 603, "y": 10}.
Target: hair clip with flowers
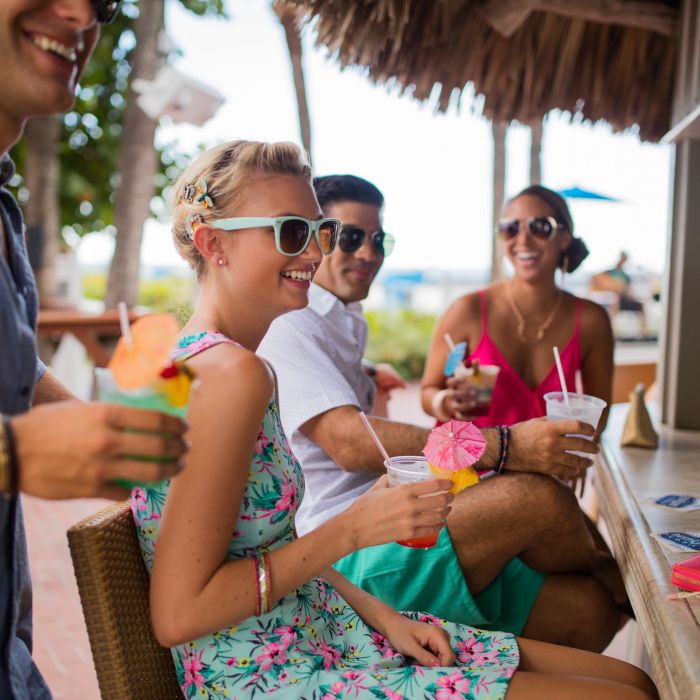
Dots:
{"x": 192, "y": 223}
{"x": 188, "y": 193}
{"x": 203, "y": 196}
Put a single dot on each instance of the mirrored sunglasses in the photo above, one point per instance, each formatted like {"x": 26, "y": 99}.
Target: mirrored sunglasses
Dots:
{"x": 105, "y": 10}
{"x": 542, "y": 227}
{"x": 352, "y": 237}
{"x": 292, "y": 233}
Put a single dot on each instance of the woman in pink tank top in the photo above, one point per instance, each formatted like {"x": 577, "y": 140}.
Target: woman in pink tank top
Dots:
{"x": 515, "y": 324}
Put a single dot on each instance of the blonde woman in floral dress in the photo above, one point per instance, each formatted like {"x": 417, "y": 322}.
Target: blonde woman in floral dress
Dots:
{"x": 249, "y": 609}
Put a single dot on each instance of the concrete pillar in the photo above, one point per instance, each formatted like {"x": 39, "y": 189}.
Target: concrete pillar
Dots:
{"x": 680, "y": 364}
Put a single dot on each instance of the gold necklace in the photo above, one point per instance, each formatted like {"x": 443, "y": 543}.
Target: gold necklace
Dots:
{"x": 541, "y": 330}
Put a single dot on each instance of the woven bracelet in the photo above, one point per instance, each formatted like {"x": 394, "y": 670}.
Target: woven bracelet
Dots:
{"x": 504, "y": 442}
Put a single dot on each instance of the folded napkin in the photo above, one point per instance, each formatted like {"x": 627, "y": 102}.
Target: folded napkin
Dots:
{"x": 638, "y": 430}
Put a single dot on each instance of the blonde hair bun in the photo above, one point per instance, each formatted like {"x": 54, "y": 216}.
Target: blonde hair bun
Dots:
{"x": 215, "y": 183}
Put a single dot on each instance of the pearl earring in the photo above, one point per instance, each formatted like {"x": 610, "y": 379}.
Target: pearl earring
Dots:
{"x": 220, "y": 261}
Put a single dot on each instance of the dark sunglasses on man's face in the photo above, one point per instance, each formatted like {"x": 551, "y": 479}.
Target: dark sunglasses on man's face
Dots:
{"x": 542, "y": 227}
{"x": 351, "y": 239}
{"x": 105, "y": 10}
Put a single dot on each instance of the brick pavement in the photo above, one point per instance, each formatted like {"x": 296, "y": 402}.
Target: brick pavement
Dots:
{"x": 61, "y": 647}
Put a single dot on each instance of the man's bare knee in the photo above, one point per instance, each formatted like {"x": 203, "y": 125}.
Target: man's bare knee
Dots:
{"x": 546, "y": 498}
{"x": 575, "y": 611}
{"x": 557, "y": 497}
{"x": 602, "y": 616}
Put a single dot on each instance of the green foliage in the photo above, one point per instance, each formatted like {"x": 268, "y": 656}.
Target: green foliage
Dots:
{"x": 91, "y": 132}
{"x": 94, "y": 286}
{"x": 401, "y": 338}
{"x": 173, "y": 295}
{"x": 205, "y": 7}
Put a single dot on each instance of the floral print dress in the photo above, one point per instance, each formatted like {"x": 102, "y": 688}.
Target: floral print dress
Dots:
{"x": 312, "y": 644}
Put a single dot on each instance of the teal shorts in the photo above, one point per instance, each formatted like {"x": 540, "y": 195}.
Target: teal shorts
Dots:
{"x": 431, "y": 581}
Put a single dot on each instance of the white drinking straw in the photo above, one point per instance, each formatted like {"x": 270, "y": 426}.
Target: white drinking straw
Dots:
{"x": 124, "y": 323}
{"x": 449, "y": 341}
{"x": 560, "y": 370}
{"x": 374, "y": 437}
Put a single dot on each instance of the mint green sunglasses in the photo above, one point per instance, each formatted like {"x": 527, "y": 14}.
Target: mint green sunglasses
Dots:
{"x": 292, "y": 233}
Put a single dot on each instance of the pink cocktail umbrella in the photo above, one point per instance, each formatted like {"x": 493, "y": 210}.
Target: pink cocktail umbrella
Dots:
{"x": 454, "y": 445}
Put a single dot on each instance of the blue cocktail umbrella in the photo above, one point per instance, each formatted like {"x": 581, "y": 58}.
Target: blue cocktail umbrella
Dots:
{"x": 579, "y": 193}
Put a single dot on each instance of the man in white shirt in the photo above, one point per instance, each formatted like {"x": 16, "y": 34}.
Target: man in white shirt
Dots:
{"x": 516, "y": 554}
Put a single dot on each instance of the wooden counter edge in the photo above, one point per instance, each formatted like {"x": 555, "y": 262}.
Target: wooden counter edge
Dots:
{"x": 647, "y": 578}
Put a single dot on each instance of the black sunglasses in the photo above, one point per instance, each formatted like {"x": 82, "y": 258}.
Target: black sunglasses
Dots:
{"x": 351, "y": 239}
{"x": 105, "y": 10}
{"x": 542, "y": 227}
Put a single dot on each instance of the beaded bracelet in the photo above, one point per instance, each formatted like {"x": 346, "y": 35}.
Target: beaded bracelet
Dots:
{"x": 9, "y": 467}
{"x": 503, "y": 443}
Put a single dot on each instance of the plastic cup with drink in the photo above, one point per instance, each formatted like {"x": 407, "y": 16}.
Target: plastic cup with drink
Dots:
{"x": 583, "y": 407}
{"x": 567, "y": 405}
{"x": 141, "y": 375}
{"x": 411, "y": 470}
{"x": 159, "y": 396}
{"x": 482, "y": 379}
{"x": 404, "y": 470}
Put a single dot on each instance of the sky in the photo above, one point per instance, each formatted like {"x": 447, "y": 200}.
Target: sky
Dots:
{"x": 434, "y": 169}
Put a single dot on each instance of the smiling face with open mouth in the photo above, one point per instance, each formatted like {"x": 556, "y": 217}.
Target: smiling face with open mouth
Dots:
{"x": 533, "y": 257}
{"x": 45, "y": 45}
{"x": 255, "y": 271}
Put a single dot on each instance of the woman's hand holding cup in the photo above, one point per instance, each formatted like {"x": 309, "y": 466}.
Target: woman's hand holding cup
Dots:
{"x": 405, "y": 512}
{"x": 460, "y": 398}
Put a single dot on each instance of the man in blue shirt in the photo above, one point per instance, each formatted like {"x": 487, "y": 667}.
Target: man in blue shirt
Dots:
{"x": 63, "y": 448}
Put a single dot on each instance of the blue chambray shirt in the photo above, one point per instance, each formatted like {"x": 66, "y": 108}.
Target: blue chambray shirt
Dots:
{"x": 19, "y": 371}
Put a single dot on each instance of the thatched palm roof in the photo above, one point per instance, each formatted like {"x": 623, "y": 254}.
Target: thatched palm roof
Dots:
{"x": 621, "y": 72}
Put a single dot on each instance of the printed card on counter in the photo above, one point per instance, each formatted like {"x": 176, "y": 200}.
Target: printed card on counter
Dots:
{"x": 676, "y": 501}
{"x": 679, "y": 541}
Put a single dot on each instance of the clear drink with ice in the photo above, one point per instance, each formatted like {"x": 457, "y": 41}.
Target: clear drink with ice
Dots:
{"x": 583, "y": 407}
{"x": 410, "y": 470}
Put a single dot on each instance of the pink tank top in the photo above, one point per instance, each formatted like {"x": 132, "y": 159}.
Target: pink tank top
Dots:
{"x": 513, "y": 400}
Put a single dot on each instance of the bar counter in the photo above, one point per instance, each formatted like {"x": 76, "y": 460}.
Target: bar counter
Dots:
{"x": 624, "y": 477}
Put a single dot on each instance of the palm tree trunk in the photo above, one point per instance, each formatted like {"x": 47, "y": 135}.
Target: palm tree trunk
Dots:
{"x": 41, "y": 212}
{"x": 289, "y": 19}
{"x": 498, "y": 130}
{"x": 536, "y": 152}
{"x": 138, "y": 163}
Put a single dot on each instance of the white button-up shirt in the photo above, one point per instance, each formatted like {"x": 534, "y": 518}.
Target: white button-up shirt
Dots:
{"x": 317, "y": 354}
